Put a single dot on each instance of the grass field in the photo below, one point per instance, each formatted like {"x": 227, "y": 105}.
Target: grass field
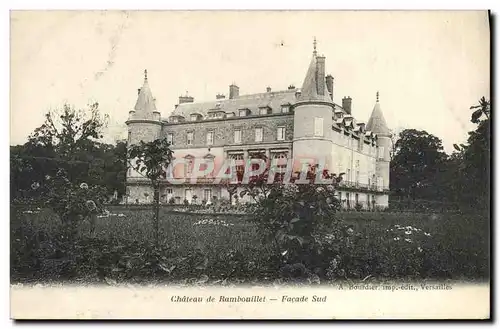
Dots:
{"x": 392, "y": 245}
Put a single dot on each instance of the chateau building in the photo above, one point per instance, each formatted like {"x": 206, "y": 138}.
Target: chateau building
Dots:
{"x": 305, "y": 123}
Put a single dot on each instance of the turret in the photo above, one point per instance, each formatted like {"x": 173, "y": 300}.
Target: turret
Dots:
{"x": 313, "y": 116}
{"x": 144, "y": 121}
{"x": 377, "y": 125}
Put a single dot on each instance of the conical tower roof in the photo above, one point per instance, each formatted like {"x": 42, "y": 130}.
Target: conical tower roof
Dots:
{"x": 145, "y": 100}
{"x": 377, "y": 123}
{"x": 310, "y": 86}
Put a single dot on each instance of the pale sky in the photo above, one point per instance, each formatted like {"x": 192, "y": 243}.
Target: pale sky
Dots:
{"x": 429, "y": 67}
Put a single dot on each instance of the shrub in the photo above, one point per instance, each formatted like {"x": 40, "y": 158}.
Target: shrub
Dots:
{"x": 73, "y": 203}
{"x": 294, "y": 218}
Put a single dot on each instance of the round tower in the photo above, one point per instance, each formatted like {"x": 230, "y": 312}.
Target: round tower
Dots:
{"x": 144, "y": 124}
{"x": 378, "y": 125}
{"x": 312, "y": 133}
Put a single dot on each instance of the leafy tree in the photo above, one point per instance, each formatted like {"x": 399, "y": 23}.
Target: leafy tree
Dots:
{"x": 418, "y": 161}
{"x": 473, "y": 167}
{"x": 69, "y": 135}
{"x": 152, "y": 159}
{"x": 69, "y": 140}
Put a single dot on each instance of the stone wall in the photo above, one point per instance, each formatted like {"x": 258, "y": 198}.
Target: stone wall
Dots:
{"x": 224, "y": 130}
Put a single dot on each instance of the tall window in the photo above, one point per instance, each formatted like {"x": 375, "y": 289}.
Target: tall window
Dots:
{"x": 188, "y": 194}
{"x": 129, "y": 137}
{"x": 380, "y": 152}
{"x": 190, "y": 137}
{"x": 281, "y": 163}
{"x": 207, "y": 195}
{"x": 237, "y": 136}
{"x": 355, "y": 143}
{"x": 188, "y": 169}
{"x": 348, "y": 175}
{"x": 258, "y": 134}
{"x": 318, "y": 126}
{"x": 356, "y": 178}
{"x": 281, "y": 134}
{"x": 170, "y": 138}
{"x": 240, "y": 165}
{"x": 210, "y": 138}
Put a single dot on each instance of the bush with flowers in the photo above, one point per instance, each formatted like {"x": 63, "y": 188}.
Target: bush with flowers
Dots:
{"x": 74, "y": 203}
{"x": 294, "y": 218}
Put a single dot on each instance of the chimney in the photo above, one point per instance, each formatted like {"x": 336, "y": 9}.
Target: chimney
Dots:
{"x": 346, "y": 104}
{"x": 186, "y": 99}
{"x": 220, "y": 96}
{"x": 268, "y": 89}
{"x": 320, "y": 75}
{"x": 234, "y": 91}
{"x": 291, "y": 87}
{"x": 329, "y": 85}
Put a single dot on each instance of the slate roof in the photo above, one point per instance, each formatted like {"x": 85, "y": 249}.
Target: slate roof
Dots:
{"x": 145, "y": 101}
{"x": 309, "y": 89}
{"x": 377, "y": 123}
{"x": 274, "y": 100}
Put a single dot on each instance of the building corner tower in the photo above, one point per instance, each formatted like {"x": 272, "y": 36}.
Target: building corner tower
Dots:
{"x": 378, "y": 125}
{"x": 144, "y": 124}
{"x": 312, "y": 132}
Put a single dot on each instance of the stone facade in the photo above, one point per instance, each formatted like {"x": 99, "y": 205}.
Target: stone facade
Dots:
{"x": 292, "y": 123}
{"x": 223, "y": 130}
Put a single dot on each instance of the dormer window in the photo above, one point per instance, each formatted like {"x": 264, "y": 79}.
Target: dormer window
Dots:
{"x": 285, "y": 109}
{"x": 264, "y": 110}
{"x": 216, "y": 114}
{"x": 176, "y": 118}
{"x": 195, "y": 117}
{"x": 338, "y": 114}
{"x": 243, "y": 112}
{"x": 229, "y": 114}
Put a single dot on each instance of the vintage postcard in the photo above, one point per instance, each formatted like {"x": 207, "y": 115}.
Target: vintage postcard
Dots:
{"x": 250, "y": 165}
